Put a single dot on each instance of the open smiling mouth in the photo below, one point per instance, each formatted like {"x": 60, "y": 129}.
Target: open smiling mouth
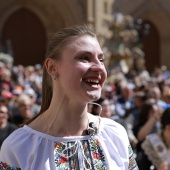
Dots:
{"x": 92, "y": 82}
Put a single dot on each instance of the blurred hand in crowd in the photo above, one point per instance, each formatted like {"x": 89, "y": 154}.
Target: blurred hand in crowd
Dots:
{"x": 157, "y": 112}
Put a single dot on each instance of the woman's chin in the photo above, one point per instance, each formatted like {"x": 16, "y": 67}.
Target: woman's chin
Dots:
{"x": 94, "y": 96}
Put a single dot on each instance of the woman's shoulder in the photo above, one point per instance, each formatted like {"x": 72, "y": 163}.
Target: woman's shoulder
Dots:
{"x": 115, "y": 137}
{"x": 13, "y": 145}
{"x": 16, "y": 138}
{"x": 23, "y": 143}
{"x": 112, "y": 128}
{"x": 21, "y": 138}
{"x": 106, "y": 122}
{"x": 25, "y": 133}
{"x": 17, "y": 131}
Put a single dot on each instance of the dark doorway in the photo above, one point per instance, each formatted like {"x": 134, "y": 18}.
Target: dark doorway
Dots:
{"x": 151, "y": 47}
{"x": 27, "y": 35}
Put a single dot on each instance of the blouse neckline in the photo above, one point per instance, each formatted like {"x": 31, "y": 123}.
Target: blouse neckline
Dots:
{"x": 53, "y": 138}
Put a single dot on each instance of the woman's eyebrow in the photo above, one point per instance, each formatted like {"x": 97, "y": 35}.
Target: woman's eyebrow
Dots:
{"x": 90, "y": 53}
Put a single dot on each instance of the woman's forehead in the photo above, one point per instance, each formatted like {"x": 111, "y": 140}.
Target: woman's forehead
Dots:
{"x": 83, "y": 43}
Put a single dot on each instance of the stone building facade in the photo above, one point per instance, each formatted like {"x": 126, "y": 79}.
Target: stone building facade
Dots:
{"x": 25, "y": 25}
{"x": 157, "y": 14}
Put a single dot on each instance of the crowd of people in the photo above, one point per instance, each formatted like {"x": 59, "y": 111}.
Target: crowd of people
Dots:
{"x": 137, "y": 100}
{"x": 20, "y": 99}
{"x": 140, "y": 102}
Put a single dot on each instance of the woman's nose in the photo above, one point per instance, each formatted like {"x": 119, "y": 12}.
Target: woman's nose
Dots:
{"x": 98, "y": 67}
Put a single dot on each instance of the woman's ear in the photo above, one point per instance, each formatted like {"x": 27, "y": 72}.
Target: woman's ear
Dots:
{"x": 51, "y": 67}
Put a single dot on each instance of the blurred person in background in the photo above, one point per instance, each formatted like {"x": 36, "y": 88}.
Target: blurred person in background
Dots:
{"x": 5, "y": 78}
{"x": 106, "y": 110}
{"x": 148, "y": 122}
{"x": 7, "y": 96}
{"x": 132, "y": 114}
{"x": 35, "y": 108}
{"x": 29, "y": 76}
{"x": 157, "y": 94}
{"x": 157, "y": 145}
{"x": 22, "y": 110}
{"x": 38, "y": 77}
{"x": 125, "y": 100}
{"x": 37, "y": 84}
{"x": 16, "y": 91}
{"x": 166, "y": 95}
{"x": 16, "y": 77}
{"x": 6, "y": 128}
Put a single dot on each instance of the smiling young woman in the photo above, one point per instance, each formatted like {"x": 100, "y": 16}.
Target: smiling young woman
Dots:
{"x": 64, "y": 135}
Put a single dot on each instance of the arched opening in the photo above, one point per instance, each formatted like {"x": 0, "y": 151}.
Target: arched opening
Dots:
{"x": 27, "y": 37}
{"x": 151, "y": 47}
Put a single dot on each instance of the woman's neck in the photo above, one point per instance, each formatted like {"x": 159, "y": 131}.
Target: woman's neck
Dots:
{"x": 65, "y": 123}
{"x": 65, "y": 120}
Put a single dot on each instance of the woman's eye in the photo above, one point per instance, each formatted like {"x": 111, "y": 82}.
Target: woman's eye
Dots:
{"x": 84, "y": 58}
{"x": 101, "y": 60}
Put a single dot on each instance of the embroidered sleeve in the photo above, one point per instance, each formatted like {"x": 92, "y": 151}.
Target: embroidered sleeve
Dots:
{"x": 132, "y": 161}
{"x": 4, "y": 166}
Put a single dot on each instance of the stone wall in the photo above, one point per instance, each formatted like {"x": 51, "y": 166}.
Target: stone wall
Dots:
{"x": 158, "y": 13}
{"x": 53, "y": 15}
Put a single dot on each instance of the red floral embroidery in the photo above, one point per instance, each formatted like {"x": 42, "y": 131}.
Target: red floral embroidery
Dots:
{"x": 4, "y": 165}
{"x": 96, "y": 155}
{"x": 57, "y": 145}
{"x": 66, "y": 155}
{"x": 63, "y": 159}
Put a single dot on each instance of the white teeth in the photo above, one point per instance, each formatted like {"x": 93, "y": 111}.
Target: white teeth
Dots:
{"x": 92, "y": 81}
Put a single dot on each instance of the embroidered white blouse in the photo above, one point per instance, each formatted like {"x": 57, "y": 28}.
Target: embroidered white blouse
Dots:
{"x": 28, "y": 149}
